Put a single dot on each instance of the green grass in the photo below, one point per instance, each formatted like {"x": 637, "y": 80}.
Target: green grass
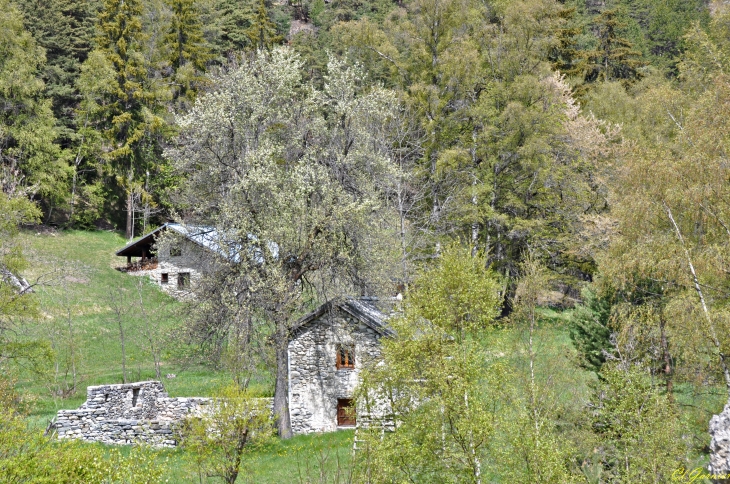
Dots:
{"x": 303, "y": 458}
{"x": 79, "y": 270}
{"x": 81, "y": 282}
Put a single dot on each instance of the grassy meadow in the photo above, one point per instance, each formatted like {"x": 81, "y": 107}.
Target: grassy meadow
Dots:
{"x": 80, "y": 282}
{"x": 83, "y": 298}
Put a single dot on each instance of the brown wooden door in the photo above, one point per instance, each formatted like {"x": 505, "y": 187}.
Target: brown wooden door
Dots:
{"x": 345, "y": 412}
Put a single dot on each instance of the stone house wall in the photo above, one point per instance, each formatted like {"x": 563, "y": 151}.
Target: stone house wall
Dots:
{"x": 315, "y": 383}
{"x": 192, "y": 260}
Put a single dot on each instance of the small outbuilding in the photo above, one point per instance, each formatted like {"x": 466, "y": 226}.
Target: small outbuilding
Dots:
{"x": 187, "y": 252}
{"x": 327, "y": 349}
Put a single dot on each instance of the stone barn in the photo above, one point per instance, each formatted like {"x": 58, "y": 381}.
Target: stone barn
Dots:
{"x": 177, "y": 260}
{"x": 327, "y": 350}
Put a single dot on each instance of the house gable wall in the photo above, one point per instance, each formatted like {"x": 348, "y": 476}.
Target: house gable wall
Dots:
{"x": 193, "y": 260}
{"x": 315, "y": 383}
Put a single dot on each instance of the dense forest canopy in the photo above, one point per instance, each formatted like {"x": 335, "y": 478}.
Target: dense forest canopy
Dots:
{"x": 569, "y": 154}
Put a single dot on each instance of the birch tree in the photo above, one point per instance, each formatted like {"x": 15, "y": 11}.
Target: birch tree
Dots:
{"x": 669, "y": 192}
{"x": 437, "y": 379}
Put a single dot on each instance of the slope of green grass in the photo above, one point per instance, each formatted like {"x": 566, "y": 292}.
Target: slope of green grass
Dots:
{"x": 79, "y": 299}
{"x": 322, "y": 458}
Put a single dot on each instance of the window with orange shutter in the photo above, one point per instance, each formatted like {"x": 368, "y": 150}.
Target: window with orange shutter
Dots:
{"x": 345, "y": 357}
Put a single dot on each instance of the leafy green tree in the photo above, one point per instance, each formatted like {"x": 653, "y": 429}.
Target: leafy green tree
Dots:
{"x": 638, "y": 428}
{"x": 220, "y": 438}
{"x": 665, "y": 189}
{"x": 30, "y": 161}
{"x": 664, "y": 25}
{"x": 436, "y": 382}
{"x": 494, "y": 160}
{"x": 533, "y": 448}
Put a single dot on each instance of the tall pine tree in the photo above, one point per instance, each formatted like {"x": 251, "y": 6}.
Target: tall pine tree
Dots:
{"x": 124, "y": 107}
{"x": 615, "y": 57}
{"x": 188, "y": 51}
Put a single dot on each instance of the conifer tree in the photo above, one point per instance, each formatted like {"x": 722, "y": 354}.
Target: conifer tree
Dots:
{"x": 262, "y": 33}
{"x": 234, "y": 20}
{"x": 123, "y": 107}
{"x": 246, "y": 26}
{"x": 65, "y": 29}
{"x": 188, "y": 50}
{"x": 565, "y": 57}
{"x": 185, "y": 35}
{"x": 615, "y": 57}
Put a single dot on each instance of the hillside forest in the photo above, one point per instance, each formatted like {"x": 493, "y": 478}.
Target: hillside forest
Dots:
{"x": 543, "y": 184}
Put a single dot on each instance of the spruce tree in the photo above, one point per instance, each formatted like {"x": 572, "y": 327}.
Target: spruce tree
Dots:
{"x": 589, "y": 330}
{"x": 188, "y": 51}
{"x": 234, "y": 21}
{"x": 123, "y": 107}
{"x": 65, "y": 29}
{"x": 615, "y": 57}
{"x": 565, "y": 57}
{"x": 246, "y": 26}
{"x": 262, "y": 33}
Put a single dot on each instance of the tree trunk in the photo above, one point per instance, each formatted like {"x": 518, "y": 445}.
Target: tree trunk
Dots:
{"x": 124, "y": 353}
{"x": 129, "y": 234}
{"x": 17, "y": 282}
{"x": 281, "y": 390}
{"x": 701, "y": 295}
{"x": 667, "y": 357}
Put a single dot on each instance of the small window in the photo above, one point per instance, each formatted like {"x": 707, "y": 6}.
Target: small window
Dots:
{"x": 183, "y": 280}
{"x": 164, "y": 278}
{"x": 135, "y": 396}
{"x": 345, "y": 412}
{"x": 175, "y": 251}
{"x": 345, "y": 357}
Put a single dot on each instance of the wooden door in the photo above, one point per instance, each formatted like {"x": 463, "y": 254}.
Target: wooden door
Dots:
{"x": 345, "y": 412}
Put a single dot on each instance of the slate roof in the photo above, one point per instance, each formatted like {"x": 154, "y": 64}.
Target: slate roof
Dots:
{"x": 364, "y": 309}
{"x": 206, "y": 237}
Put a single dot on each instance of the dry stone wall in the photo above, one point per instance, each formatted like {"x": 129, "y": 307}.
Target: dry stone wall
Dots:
{"x": 720, "y": 444}
{"x": 127, "y": 414}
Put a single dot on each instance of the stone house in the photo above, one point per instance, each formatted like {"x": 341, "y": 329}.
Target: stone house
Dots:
{"x": 327, "y": 349}
{"x": 174, "y": 255}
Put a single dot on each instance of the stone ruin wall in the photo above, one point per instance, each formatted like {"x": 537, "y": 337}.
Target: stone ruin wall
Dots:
{"x": 720, "y": 444}
{"x": 127, "y": 414}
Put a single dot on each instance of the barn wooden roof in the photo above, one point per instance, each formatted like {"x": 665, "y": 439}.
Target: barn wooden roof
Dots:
{"x": 365, "y": 310}
{"x": 204, "y": 236}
